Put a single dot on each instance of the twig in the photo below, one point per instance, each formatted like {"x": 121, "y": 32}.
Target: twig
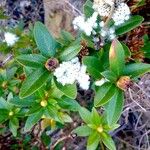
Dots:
{"x": 6, "y": 60}
{"x": 146, "y": 23}
{"x": 60, "y": 140}
{"x": 136, "y": 125}
{"x": 135, "y": 101}
{"x": 142, "y": 90}
{"x": 128, "y": 143}
{"x": 146, "y": 133}
{"x": 73, "y": 8}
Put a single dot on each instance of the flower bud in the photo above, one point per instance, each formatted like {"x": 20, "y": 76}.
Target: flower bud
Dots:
{"x": 11, "y": 113}
{"x": 100, "y": 129}
{"x": 123, "y": 82}
{"x": 43, "y": 103}
{"x": 51, "y": 64}
{"x": 4, "y": 85}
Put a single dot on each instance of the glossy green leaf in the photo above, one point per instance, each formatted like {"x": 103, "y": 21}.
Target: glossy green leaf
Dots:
{"x": 44, "y": 40}
{"x": 129, "y": 25}
{"x": 109, "y": 75}
{"x": 3, "y": 103}
{"x": 136, "y": 69}
{"x": 3, "y": 115}
{"x": 66, "y": 38}
{"x": 114, "y": 107}
{"x": 10, "y": 72}
{"x": 104, "y": 94}
{"x": 52, "y": 112}
{"x": 108, "y": 141}
{"x": 68, "y": 90}
{"x": 69, "y": 104}
{"x": 127, "y": 51}
{"x": 22, "y": 102}
{"x": 93, "y": 65}
{"x": 88, "y": 10}
{"x": 116, "y": 58}
{"x": 96, "y": 119}
{"x": 13, "y": 125}
{"x": 32, "y": 120}
{"x": 93, "y": 141}
{"x": 83, "y": 131}
{"x": 66, "y": 118}
{"x": 32, "y": 60}
{"x": 33, "y": 82}
{"x": 85, "y": 114}
{"x": 70, "y": 52}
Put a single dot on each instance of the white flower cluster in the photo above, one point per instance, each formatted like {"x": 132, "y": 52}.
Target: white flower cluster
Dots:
{"x": 108, "y": 32}
{"x": 121, "y": 14}
{"x": 72, "y": 71}
{"x": 86, "y": 26}
{"x": 10, "y": 38}
{"x": 121, "y": 11}
{"x": 102, "y": 8}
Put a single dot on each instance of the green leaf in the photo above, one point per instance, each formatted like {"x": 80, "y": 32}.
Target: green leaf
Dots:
{"x": 68, "y": 90}
{"x": 88, "y": 10}
{"x": 3, "y": 104}
{"x": 13, "y": 125}
{"x": 44, "y": 40}
{"x": 93, "y": 65}
{"x": 104, "y": 94}
{"x": 107, "y": 140}
{"x": 136, "y": 69}
{"x": 32, "y": 60}
{"x": 96, "y": 119}
{"x": 129, "y": 25}
{"x": 127, "y": 51}
{"x": 93, "y": 141}
{"x": 109, "y": 75}
{"x": 69, "y": 104}
{"x": 3, "y": 115}
{"x": 70, "y": 52}
{"x": 11, "y": 72}
{"x": 116, "y": 58}
{"x": 114, "y": 107}
{"x": 33, "y": 82}
{"x": 32, "y": 120}
{"x": 85, "y": 114}
{"x": 22, "y": 102}
{"x": 52, "y": 112}
{"x": 83, "y": 131}
{"x": 66, "y": 38}
{"x": 66, "y": 118}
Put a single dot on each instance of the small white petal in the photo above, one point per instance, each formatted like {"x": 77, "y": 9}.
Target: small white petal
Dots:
{"x": 10, "y": 38}
{"x": 101, "y": 82}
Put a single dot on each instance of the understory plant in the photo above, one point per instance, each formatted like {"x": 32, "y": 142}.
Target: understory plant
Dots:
{"x": 40, "y": 82}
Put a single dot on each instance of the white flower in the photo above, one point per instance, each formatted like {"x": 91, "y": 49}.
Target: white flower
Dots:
{"x": 103, "y": 8}
{"x": 72, "y": 71}
{"x": 103, "y": 33}
{"x": 101, "y": 24}
{"x": 86, "y": 26}
{"x": 110, "y": 2}
{"x": 112, "y": 36}
{"x": 10, "y": 38}
{"x": 121, "y": 14}
{"x": 101, "y": 82}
